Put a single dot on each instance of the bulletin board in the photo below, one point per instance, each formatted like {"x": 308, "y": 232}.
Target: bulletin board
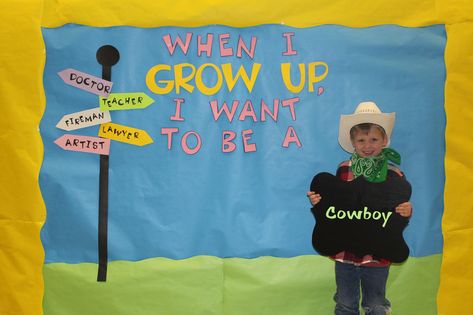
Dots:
{"x": 219, "y": 117}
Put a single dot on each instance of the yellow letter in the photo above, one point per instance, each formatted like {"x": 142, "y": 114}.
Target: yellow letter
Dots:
{"x": 151, "y": 80}
{"x": 182, "y": 81}
{"x": 231, "y": 80}
{"x": 329, "y": 212}
{"x": 313, "y": 78}
{"x": 286, "y": 76}
{"x": 200, "y": 84}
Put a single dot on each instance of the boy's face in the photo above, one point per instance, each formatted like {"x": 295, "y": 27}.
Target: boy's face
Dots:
{"x": 370, "y": 143}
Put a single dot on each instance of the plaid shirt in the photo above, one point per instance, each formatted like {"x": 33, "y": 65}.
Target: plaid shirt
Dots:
{"x": 344, "y": 172}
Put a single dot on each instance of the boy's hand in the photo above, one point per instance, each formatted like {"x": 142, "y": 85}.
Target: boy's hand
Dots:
{"x": 313, "y": 198}
{"x": 404, "y": 209}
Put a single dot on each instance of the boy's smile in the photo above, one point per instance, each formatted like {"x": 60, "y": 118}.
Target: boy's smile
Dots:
{"x": 369, "y": 144}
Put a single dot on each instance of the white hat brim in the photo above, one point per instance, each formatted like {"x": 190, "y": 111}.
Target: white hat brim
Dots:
{"x": 385, "y": 120}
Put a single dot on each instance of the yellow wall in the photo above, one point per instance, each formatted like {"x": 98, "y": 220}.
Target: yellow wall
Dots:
{"x": 22, "y": 58}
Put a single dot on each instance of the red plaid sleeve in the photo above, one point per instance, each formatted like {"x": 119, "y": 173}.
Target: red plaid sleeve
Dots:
{"x": 344, "y": 171}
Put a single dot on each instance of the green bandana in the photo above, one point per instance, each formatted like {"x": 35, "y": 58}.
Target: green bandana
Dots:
{"x": 375, "y": 168}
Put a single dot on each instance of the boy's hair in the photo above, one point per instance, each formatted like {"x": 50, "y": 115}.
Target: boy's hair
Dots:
{"x": 365, "y": 128}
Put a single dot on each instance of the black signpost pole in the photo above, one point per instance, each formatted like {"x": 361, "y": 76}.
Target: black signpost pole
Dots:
{"x": 107, "y": 56}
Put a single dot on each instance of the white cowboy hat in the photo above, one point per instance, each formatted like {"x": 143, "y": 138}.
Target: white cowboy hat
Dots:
{"x": 365, "y": 112}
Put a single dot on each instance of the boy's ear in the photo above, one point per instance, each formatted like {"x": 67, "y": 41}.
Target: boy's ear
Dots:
{"x": 352, "y": 141}
{"x": 385, "y": 141}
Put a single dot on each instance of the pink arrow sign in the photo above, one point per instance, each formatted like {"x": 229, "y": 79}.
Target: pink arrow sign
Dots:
{"x": 86, "y": 82}
{"x": 84, "y": 144}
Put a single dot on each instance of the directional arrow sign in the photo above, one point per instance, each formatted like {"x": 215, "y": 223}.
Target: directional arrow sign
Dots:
{"x": 86, "y": 82}
{"x": 84, "y": 119}
{"x": 84, "y": 144}
{"x": 125, "y": 134}
{"x": 119, "y": 101}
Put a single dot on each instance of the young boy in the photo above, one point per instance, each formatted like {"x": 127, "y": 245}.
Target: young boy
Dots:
{"x": 366, "y": 135}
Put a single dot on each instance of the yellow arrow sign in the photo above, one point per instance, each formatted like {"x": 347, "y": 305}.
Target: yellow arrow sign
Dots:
{"x": 124, "y": 134}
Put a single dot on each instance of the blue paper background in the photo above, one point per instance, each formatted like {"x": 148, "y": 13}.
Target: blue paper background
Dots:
{"x": 169, "y": 204}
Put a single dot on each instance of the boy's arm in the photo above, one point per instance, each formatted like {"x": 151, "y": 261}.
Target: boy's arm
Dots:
{"x": 405, "y": 208}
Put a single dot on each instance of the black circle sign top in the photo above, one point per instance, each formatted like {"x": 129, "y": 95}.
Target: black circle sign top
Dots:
{"x": 107, "y": 55}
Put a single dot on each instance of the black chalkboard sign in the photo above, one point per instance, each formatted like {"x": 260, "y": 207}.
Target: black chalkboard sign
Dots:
{"x": 359, "y": 217}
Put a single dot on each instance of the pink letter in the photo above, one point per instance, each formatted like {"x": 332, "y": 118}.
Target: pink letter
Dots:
{"x": 289, "y": 51}
{"x": 241, "y": 45}
{"x": 291, "y": 136}
{"x": 227, "y": 144}
{"x": 247, "y": 111}
{"x": 246, "y": 135}
{"x": 207, "y": 47}
{"x": 223, "y": 39}
{"x": 265, "y": 109}
{"x": 177, "y": 114}
{"x": 184, "y": 143}
{"x": 290, "y": 102}
{"x": 216, "y": 113}
{"x": 169, "y": 132}
{"x": 172, "y": 46}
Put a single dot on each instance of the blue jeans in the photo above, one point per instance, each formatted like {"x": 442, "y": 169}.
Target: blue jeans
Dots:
{"x": 372, "y": 280}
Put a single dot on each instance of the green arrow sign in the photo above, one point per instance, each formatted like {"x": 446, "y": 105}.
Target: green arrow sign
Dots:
{"x": 120, "y": 101}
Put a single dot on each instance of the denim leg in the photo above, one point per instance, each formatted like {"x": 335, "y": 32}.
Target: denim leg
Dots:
{"x": 347, "y": 297}
{"x": 373, "y": 288}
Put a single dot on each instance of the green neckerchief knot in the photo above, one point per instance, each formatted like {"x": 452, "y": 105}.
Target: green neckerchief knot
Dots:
{"x": 375, "y": 168}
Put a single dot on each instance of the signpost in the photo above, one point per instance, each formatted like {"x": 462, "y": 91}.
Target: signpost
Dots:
{"x": 107, "y": 56}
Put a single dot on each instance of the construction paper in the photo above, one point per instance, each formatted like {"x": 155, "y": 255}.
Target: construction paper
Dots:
{"x": 122, "y": 101}
{"x": 245, "y": 155}
{"x": 211, "y": 285}
{"x": 84, "y": 144}
{"x": 125, "y": 134}
{"x": 83, "y": 119}
{"x": 360, "y": 217}
{"x": 86, "y": 82}
{"x": 233, "y": 138}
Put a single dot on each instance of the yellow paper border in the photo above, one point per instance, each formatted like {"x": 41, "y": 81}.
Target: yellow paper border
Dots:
{"x": 22, "y": 211}
{"x": 457, "y": 273}
{"x": 21, "y": 97}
